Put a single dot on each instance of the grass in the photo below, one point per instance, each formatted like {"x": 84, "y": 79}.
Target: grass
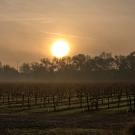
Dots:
{"x": 65, "y": 123}
{"x": 58, "y": 131}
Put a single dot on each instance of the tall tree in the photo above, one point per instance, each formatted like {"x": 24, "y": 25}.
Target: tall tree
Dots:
{"x": 25, "y": 68}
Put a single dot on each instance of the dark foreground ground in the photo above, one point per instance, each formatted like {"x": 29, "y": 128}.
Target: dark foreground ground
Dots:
{"x": 67, "y": 123}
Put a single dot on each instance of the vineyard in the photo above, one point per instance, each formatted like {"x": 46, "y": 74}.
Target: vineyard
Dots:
{"x": 66, "y": 96}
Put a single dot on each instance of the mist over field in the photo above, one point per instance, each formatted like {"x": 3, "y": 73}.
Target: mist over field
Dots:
{"x": 80, "y": 67}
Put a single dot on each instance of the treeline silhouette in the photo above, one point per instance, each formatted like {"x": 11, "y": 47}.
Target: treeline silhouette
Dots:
{"x": 79, "y": 67}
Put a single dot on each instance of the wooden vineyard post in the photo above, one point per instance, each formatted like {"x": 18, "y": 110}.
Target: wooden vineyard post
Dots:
{"x": 44, "y": 101}
{"x": 133, "y": 92}
{"x": 134, "y": 102}
{"x": 8, "y": 100}
{"x": 69, "y": 98}
{"x": 12, "y": 97}
{"x": 28, "y": 102}
{"x": 16, "y": 98}
{"x": 81, "y": 101}
{"x": 3, "y": 99}
{"x": 119, "y": 99}
{"x": 87, "y": 101}
{"x": 48, "y": 103}
{"x": 79, "y": 95}
{"x": 60, "y": 100}
{"x": 41, "y": 101}
{"x": 23, "y": 100}
{"x": 97, "y": 105}
{"x": 108, "y": 99}
{"x": 0, "y": 99}
{"x": 102, "y": 100}
{"x": 54, "y": 104}
{"x": 69, "y": 101}
{"x": 48, "y": 99}
{"x": 129, "y": 101}
{"x": 36, "y": 97}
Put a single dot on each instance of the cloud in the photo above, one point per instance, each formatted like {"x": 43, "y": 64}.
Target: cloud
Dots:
{"x": 67, "y": 35}
{"x": 5, "y": 18}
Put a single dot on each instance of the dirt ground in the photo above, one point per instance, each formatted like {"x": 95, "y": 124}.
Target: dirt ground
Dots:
{"x": 62, "y": 120}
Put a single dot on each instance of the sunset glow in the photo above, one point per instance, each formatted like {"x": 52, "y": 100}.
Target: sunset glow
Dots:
{"x": 60, "y": 48}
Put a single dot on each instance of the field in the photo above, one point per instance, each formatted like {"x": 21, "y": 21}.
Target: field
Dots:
{"x": 66, "y": 108}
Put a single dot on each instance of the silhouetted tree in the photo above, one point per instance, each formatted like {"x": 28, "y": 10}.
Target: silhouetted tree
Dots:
{"x": 25, "y": 68}
{"x": 7, "y": 72}
{"x": 121, "y": 63}
{"x": 104, "y": 62}
{"x": 131, "y": 61}
{"x": 46, "y": 65}
{"x": 78, "y": 62}
{"x": 78, "y": 67}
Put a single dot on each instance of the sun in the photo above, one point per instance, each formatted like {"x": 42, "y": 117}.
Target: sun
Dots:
{"x": 60, "y": 48}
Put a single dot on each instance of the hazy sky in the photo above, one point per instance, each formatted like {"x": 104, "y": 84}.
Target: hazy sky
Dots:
{"x": 28, "y": 27}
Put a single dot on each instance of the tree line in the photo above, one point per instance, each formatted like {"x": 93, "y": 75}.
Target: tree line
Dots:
{"x": 79, "y": 67}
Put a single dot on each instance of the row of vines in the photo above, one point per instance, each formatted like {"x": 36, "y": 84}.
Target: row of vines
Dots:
{"x": 67, "y": 96}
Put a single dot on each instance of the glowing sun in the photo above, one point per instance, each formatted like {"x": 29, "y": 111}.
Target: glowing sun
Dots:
{"x": 60, "y": 48}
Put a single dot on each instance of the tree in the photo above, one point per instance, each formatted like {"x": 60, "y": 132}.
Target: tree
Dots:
{"x": 121, "y": 63}
{"x": 8, "y": 71}
{"x": 78, "y": 62}
{"x": 131, "y": 61}
{"x": 0, "y": 66}
{"x": 46, "y": 64}
{"x": 104, "y": 62}
{"x": 103, "y": 66}
{"x": 25, "y": 68}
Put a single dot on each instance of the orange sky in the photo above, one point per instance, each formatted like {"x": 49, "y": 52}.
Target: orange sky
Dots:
{"x": 28, "y": 27}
